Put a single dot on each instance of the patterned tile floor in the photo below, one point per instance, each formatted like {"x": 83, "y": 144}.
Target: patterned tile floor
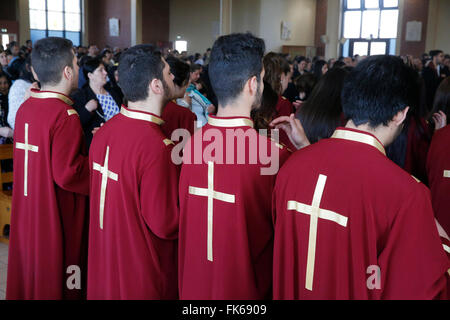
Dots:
{"x": 3, "y": 269}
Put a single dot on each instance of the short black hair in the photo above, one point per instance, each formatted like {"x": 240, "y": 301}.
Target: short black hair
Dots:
{"x": 138, "y": 66}
{"x": 377, "y": 89}
{"x": 180, "y": 71}
{"x": 49, "y": 58}
{"x": 90, "y": 65}
{"x": 234, "y": 60}
{"x": 434, "y": 53}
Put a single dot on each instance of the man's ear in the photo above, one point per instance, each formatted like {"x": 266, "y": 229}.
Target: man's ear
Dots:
{"x": 68, "y": 72}
{"x": 156, "y": 87}
{"x": 253, "y": 85}
{"x": 400, "y": 117}
{"x": 34, "y": 74}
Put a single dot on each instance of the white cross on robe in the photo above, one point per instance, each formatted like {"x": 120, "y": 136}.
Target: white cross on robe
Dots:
{"x": 315, "y": 212}
{"x": 212, "y": 195}
{"x": 26, "y": 147}
{"x": 105, "y": 175}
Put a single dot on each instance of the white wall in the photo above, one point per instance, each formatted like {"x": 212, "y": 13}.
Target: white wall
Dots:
{"x": 333, "y": 29}
{"x": 194, "y": 21}
{"x": 300, "y": 14}
{"x": 246, "y": 16}
{"x": 438, "y": 32}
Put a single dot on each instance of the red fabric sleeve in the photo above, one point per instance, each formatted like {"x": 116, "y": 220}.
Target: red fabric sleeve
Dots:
{"x": 413, "y": 263}
{"x": 159, "y": 196}
{"x": 70, "y": 165}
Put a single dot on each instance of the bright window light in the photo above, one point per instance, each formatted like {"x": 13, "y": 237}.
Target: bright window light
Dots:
{"x": 181, "y": 46}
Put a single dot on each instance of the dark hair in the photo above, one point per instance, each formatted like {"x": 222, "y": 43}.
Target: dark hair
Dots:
{"x": 275, "y": 65}
{"x": 180, "y": 71}
{"x": 442, "y": 98}
{"x": 339, "y": 64}
{"x": 378, "y": 88}
{"x": 4, "y": 75}
{"x": 234, "y": 60}
{"x": 138, "y": 66}
{"x": 266, "y": 113}
{"x": 317, "y": 70}
{"x": 21, "y": 69}
{"x": 321, "y": 114}
{"x": 434, "y": 53}
{"x": 305, "y": 83}
{"x": 104, "y": 52}
{"x": 194, "y": 67}
{"x": 49, "y": 58}
{"x": 90, "y": 65}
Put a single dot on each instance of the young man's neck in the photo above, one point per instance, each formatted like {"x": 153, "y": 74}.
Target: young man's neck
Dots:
{"x": 59, "y": 88}
{"x": 382, "y": 133}
{"x": 149, "y": 105}
{"x": 234, "y": 110}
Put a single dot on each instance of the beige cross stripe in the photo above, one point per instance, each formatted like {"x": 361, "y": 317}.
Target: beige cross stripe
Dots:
{"x": 315, "y": 212}
{"x": 26, "y": 147}
{"x": 212, "y": 195}
{"x": 105, "y": 175}
{"x": 447, "y": 174}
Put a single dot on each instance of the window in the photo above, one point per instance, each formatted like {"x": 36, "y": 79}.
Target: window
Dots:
{"x": 55, "y": 18}
{"x": 370, "y": 27}
{"x": 181, "y": 46}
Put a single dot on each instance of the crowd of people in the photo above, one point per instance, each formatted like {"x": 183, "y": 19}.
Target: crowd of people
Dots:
{"x": 352, "y": 132}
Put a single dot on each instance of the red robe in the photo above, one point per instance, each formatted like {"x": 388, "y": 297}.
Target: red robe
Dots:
{"x": 419, "y": 139}
{"x": 285, "y": 109}
{"x": 226, "y": 239}
{"x": 438, "y": 167}
{"x": 132, "y": 239}
{"x": 177, "y": 117}
{"x": 344, "y": 212}
{"x": 51, "y": 182}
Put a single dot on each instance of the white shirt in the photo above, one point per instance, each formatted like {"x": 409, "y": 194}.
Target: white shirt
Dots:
{"x": 16, "y": 97}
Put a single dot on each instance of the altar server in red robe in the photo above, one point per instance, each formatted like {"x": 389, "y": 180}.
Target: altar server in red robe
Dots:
{"x": 175, "y": 116}
{"x": 134, "y": 197}
{"x": 438, "y": 167}
{"x": 226, "y": 184}
{"x": 51, "y": 181}
{"x": 349, "y": 223}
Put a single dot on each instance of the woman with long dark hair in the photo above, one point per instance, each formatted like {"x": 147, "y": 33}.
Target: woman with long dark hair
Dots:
{"x": 274, "y": 105}
{"x": 322, "y": 113}
{"x": 320, "y": 68}
{"x": 97, "y": 101}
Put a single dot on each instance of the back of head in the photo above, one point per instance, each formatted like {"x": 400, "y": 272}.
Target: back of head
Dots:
{"x": 377, "y": 89}
{"x": 138, "y": 66}
{"x": 322, "y": 112}
{"x": 442, "y": 98}
{"x": 49, "y": 58}
{"x": 275, "y": 65}
{"x": 318, "y": 66}
{"x": 180, "y": 71}
{"x": 305, "y": 83}
{"x": 235, "y": 59}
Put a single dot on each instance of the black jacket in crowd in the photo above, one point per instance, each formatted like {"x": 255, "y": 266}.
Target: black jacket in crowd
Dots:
{"x": 91, "y": 120}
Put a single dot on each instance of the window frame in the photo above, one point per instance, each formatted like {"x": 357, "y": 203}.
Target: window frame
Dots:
{"x": 363, "y": 8}
{"x": 64, "y": 31}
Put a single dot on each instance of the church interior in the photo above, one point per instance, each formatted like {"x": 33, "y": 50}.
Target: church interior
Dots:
{"x": 305, "y": 32}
